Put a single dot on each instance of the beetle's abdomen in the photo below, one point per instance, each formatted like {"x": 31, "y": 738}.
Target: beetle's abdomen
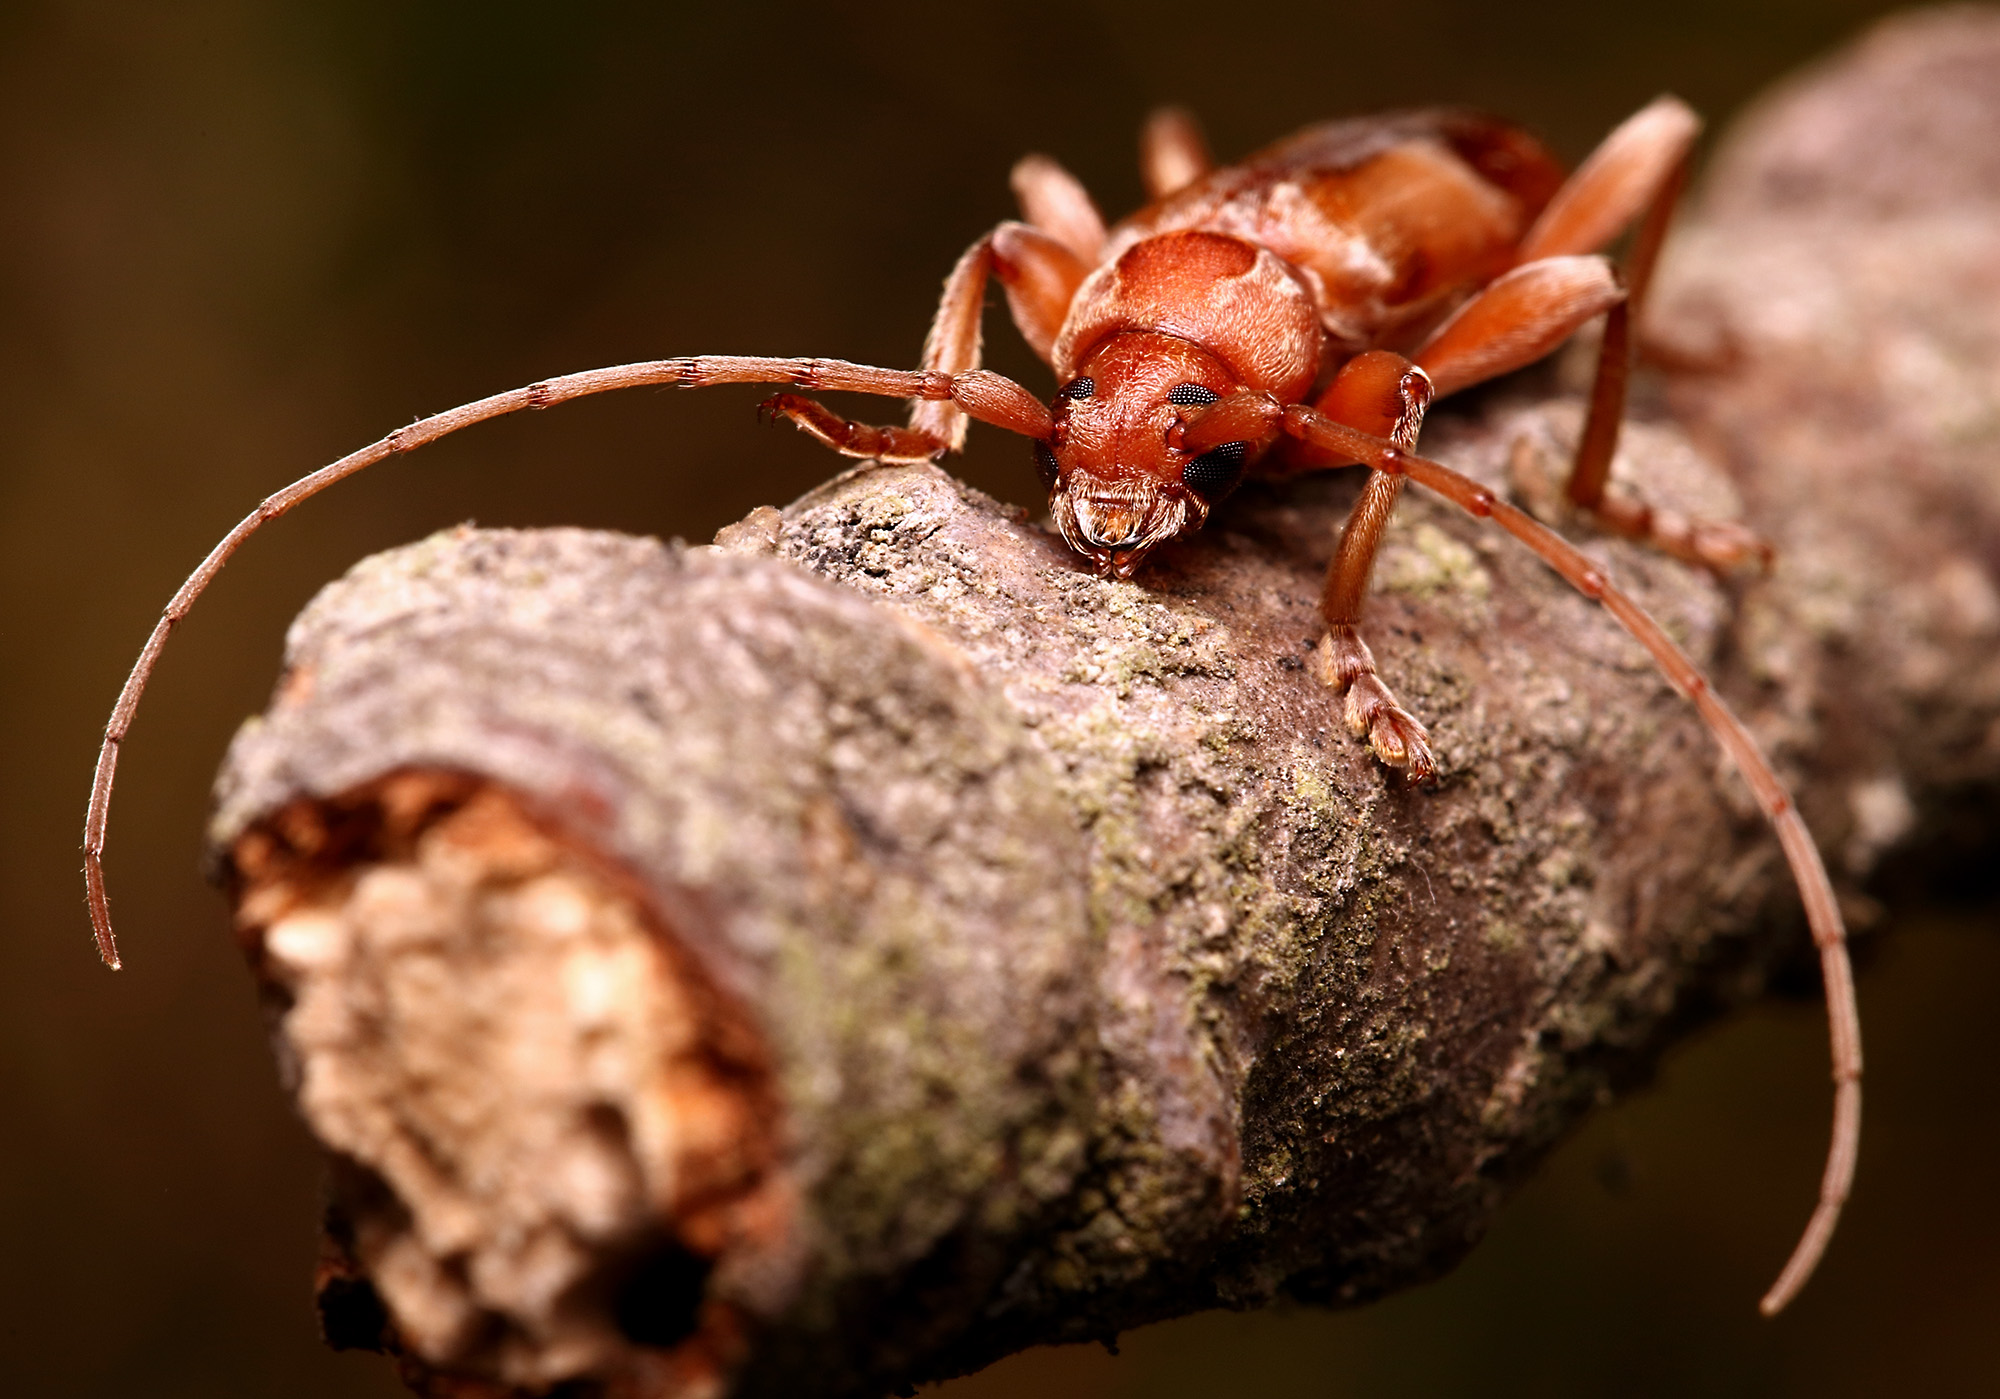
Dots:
{"x": 1396, "y": 242}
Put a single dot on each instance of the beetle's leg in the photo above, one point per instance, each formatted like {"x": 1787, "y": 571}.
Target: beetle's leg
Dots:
{"x": 1720, "y": 545}
{"x": 1039, "y": 273}
{"x": 1620, "y": 180}
{"x": 1808, "y": 871}
{"x": 1637, "y": 173}
{"x": 1523, "y": 315}
{"x": 951, "y": 347}
{"x": 1385, "y": 395}
{"x": 1555, "y": 285}
{"x": 1055, "y": 201}
{"x": 1518, "y": 318}
{"x": 1172, "y": 154}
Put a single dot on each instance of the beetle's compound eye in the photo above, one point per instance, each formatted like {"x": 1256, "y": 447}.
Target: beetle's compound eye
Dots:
{"x": 1083, "y": 386}
{"x": 1186, "y": 394}
{"x": 1213, "y": 475}
{"x": 1045, "y": 462}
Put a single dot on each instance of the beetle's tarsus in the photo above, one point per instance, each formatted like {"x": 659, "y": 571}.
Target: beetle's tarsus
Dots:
{"x": 1723, "y": 547}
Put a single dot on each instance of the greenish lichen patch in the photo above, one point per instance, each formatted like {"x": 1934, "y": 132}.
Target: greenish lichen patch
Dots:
{"x": 1427, "y": 563}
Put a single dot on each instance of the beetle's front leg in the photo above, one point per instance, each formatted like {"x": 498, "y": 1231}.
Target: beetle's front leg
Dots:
{"x": 952, "y": 347}
{"x": 849, "y": 438}
{"x": 1038, "y": 271}
{"x": 1384, "y": 394}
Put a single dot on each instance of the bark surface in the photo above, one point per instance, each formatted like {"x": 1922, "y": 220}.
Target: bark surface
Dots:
{"x": 845, "y": 954}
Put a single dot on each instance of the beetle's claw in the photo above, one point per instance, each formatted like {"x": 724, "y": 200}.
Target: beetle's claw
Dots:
{"x": 1394, "y": 734}
{"x": 1396, "y": 731}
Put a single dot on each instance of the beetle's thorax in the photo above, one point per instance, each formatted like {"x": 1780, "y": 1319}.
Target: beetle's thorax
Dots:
{"x": 1236, "y": 300}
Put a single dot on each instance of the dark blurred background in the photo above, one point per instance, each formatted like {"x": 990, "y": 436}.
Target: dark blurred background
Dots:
{"x": 239, "y": 239}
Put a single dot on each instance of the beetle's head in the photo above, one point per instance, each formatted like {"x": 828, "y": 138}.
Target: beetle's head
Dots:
{"x": 1134, "y": 459}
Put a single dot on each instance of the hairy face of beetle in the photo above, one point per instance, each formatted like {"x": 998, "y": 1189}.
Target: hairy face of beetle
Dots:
{"x": 1121, "y": 478}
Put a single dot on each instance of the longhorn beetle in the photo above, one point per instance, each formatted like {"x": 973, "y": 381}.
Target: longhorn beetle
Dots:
{"x": 1296, "y": 312}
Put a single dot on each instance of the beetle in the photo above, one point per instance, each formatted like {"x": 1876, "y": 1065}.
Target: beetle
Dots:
{"x": 1298, "y": 311}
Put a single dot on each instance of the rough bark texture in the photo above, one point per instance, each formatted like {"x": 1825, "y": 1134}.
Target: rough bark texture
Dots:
{"x": 840, "y": 956}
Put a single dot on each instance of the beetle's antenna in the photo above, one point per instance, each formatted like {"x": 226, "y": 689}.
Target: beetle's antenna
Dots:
{"x": 981, "y": 393}
{"x": 1815, "y": 890}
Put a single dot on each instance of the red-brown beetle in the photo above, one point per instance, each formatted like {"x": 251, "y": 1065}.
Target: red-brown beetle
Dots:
{"x": 1298, "y": 311}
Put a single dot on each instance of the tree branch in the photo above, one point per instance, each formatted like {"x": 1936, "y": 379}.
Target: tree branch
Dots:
{"x": 846, "y": 954}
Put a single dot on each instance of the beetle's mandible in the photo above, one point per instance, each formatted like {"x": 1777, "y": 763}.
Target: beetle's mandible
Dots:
{"x": 1298, "y": 311}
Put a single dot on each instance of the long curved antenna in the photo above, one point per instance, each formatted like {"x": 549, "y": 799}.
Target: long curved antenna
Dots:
{"x": 1822, "y": 912}
{"x": 981, "y": 393}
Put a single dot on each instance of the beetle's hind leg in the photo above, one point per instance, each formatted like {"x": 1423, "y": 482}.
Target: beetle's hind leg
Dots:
{"x": 1383, "y": 394}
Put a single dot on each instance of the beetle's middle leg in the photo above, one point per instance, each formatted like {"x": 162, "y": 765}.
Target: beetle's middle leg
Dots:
{"x": 1636, "y": 174}
{"x": 1383, "y": 394}
{"x": 1172, "y": 154}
